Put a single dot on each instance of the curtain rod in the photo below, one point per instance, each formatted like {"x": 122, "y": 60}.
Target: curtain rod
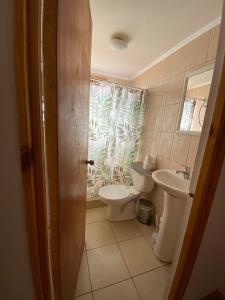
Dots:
{"x": 119, "y": 84}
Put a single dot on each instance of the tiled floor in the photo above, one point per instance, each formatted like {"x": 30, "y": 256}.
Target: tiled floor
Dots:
{"x": 118, "y": 261}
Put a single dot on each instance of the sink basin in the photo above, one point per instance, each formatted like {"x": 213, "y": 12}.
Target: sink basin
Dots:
{"x": 172, "y": 183}
{"x": 176, "y": 191}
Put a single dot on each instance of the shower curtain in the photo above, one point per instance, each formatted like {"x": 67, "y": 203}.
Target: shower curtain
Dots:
{"x": 115, "y": 122}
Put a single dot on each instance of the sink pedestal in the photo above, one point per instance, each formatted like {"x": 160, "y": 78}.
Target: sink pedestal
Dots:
{"x": 169, "y": 227}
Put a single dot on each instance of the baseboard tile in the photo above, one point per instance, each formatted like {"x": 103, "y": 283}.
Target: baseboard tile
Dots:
{"x": 94, "y": 203}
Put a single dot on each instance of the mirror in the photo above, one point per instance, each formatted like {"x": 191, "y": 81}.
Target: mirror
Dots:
{"x": 194, "y": 101}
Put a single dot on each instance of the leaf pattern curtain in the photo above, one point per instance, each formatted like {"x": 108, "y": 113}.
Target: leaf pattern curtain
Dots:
{"x": 115, "y": 122}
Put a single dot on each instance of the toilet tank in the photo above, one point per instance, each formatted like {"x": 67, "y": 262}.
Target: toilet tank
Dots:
{"x": 142, "y": 178}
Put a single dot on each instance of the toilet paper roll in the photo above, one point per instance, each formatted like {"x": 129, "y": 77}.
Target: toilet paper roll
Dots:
{"x": 149, "y": 162}
{"x": 148, "y": 158}
{"x": 147, "y": 165}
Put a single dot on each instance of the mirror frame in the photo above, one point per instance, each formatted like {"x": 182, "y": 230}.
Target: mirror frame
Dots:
{"x": 184, "y": 89}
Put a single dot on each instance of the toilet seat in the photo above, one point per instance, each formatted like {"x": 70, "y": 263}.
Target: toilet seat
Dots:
{"x": 114, "y": 192}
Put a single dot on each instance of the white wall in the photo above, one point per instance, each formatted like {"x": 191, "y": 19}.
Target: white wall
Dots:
{"x": 15, "y": 272}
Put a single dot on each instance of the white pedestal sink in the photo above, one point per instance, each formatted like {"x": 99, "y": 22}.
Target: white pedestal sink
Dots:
{"x": 176, "y": 191}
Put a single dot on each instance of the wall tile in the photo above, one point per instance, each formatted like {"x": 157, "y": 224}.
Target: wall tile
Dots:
{"x": 153, "y": 118}
{"x": 142, "y": 81}
{"x": 170, "y": 117}
{"x": 155, "y": 138}
{"x": 162, "y": 163}
{"x": 193, "y": 150}
{"x": 175, "y": 166}
{"x": 165, "y": 144}
{"x": 181, "y": 143}
{"x": 165, "y": 69}
{"x": 175, "y": 89}
{"x": 149, "y": 144}
{"x": 156, "y": 75}
{"x": 165, "y": 82}
{"x": 155, "y": 97}
{"x": 197, "y": 51}
{"x": 160, "y": 117}
{"x": 163, "y": 91}
{"x": 150, "y": 118}
{"x": 148, "y": 96}
{"x": 178, "y": 61}
{"x": 213, "y": 43}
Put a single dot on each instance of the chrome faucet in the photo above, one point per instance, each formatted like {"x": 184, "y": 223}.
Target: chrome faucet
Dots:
{"x": 186, "y": 172}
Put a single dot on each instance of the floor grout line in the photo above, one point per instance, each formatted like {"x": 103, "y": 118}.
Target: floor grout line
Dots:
{"x": 139, "y": 296}
{"x": 88, "y": 250}
{"x": 83, "y": 294}
{"x": 116, "y": 241}
{"x": 121, "y": 252}
{"x": 129, "y": 272}
{"x": 128, "y": 268}
{"x": 156, "y": 268}
{"x": 89, "y": 275}
{"x": 108, "y": 285}
{"x": 131, "y": 277}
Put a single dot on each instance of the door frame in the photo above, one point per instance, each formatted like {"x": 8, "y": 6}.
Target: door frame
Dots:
{"x": 46, "y": 272}
{"x": 29, "y": 89}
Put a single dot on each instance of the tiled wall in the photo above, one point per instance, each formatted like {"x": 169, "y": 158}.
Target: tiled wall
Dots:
{"x": 165, "y": 83}
{"x": 111, "y": 79}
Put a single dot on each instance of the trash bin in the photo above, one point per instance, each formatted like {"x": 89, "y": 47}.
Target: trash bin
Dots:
{"x": 145, "y": 213}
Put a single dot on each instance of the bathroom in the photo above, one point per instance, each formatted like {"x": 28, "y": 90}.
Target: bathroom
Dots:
{"x": 158, "y": 107}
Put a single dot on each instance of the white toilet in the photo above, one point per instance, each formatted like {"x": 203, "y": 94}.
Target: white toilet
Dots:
{"x": 121, "y": 199}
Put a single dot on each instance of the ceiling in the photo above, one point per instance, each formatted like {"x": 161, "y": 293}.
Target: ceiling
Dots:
{"x": 154, "y": 27}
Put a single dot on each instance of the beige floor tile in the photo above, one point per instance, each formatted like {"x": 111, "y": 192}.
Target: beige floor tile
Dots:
{"x": 106, "y": 266}
{"x": 106, "y": 209}
{"x": 124, "y": 290}
{"x": 125, "y": 230}
{"x": 150, "y": 240}
{"x": 98, "y": 234}
{"x": 85, "y": 297}
{"x": 145, "y": 229}
{"x": 151, "y": 285}
{"x": 83, "y": 281}
{"x": 95, "y": 215}
{"x": 139, "y": 256}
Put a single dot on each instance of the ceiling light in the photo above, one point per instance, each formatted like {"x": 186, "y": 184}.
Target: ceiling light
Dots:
{"x": 119, "y": 41}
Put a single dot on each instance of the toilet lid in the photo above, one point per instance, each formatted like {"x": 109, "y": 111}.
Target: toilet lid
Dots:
{"x": 114, "y": 192}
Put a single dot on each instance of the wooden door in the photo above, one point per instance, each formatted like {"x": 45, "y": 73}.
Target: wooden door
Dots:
{"x": 27, "y": 43}
{"x": 52, "y": 55}
{"x": 73, "y": 80}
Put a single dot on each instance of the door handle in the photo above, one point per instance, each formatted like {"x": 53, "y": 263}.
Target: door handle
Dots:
{"x": 90, "y": 162}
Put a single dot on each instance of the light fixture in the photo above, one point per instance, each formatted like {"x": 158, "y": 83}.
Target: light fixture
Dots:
{"x": 119, "y": 41}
